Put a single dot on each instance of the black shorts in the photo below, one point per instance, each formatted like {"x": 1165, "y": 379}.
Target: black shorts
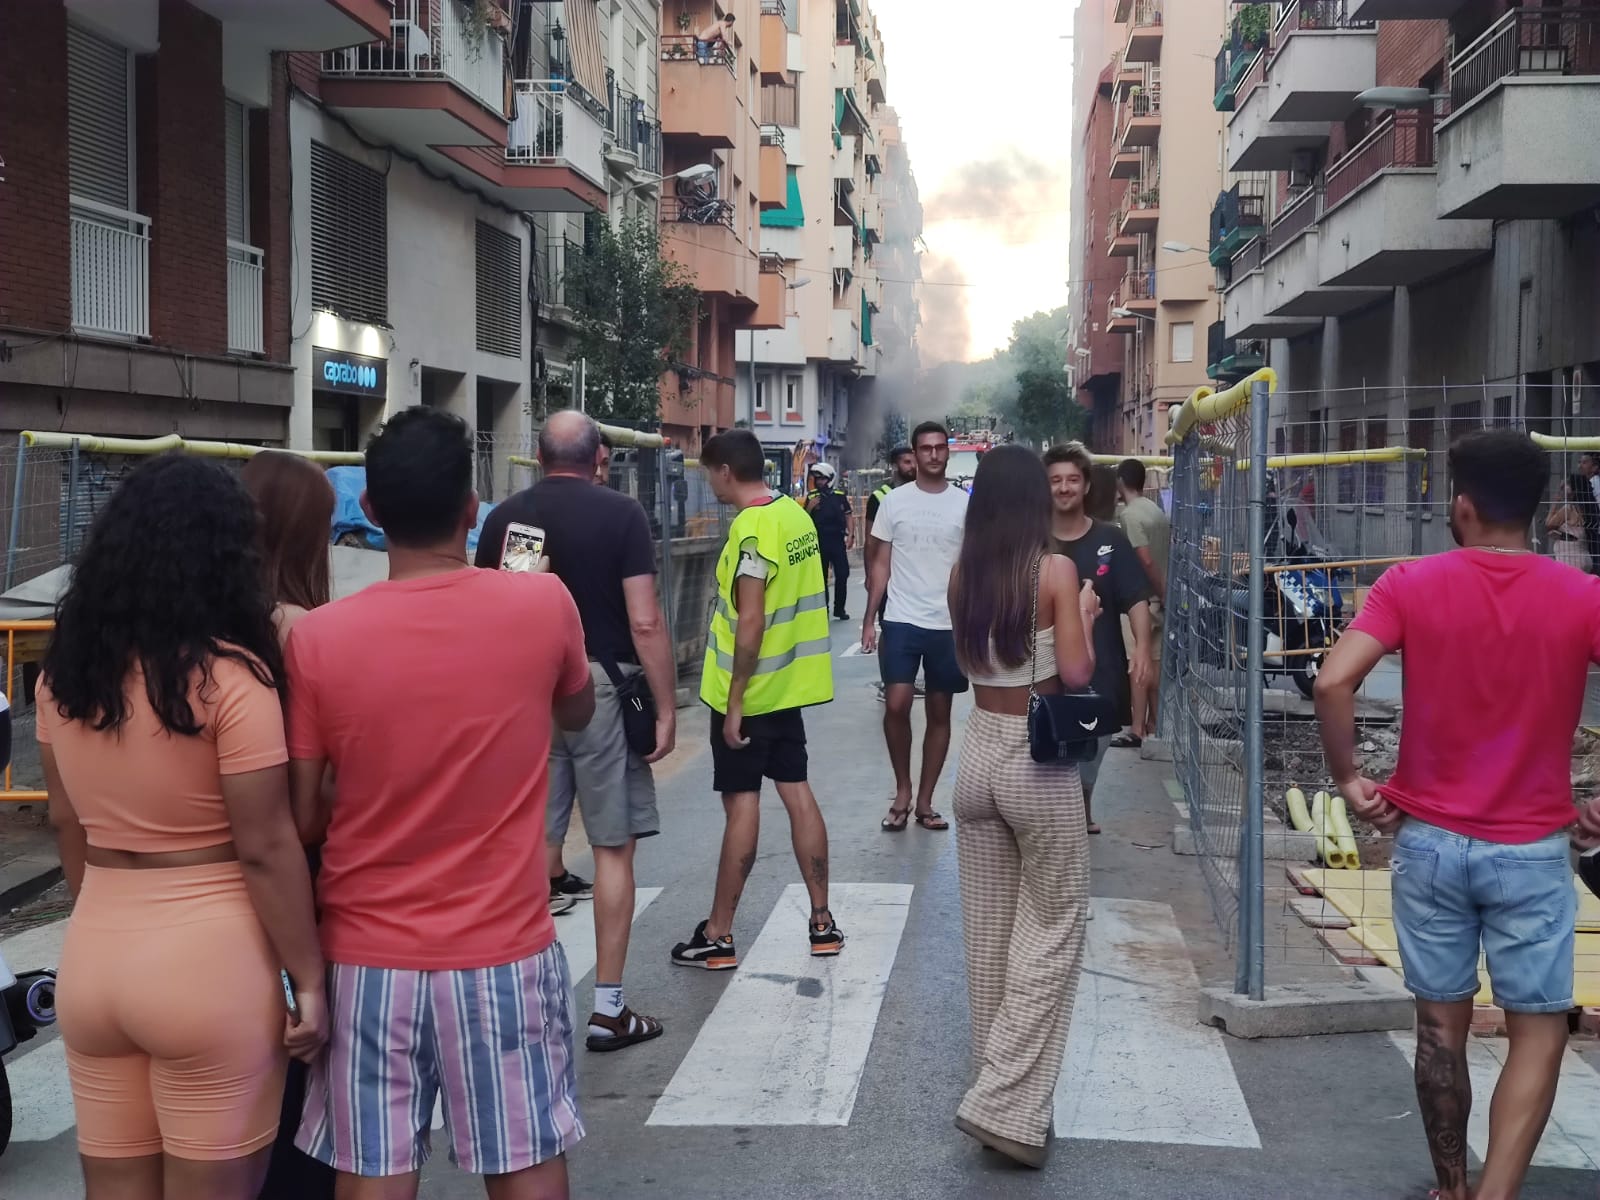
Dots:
{"x": 903, "y": 650}
{"x": 777, "y": 751}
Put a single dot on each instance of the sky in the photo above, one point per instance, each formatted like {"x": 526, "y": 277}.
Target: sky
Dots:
{"x": 985, "y": 105}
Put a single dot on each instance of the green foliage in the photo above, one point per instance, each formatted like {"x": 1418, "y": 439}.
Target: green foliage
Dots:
{"x": 634, "y": 311}
{"x": 1042, "y": 409}
{"x": 1250, "y": 26}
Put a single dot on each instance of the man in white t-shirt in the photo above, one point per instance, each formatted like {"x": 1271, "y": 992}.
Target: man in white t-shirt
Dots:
{"x": 919, "y": 531}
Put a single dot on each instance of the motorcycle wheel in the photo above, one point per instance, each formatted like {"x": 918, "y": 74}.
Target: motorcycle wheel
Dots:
{"x": 5, "y": 1108}
{"x": 1305, "y": 675}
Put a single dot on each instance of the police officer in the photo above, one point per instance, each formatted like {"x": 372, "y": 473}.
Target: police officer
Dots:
{"x": 836, "y": 534}
{"x": 768, "y": 658}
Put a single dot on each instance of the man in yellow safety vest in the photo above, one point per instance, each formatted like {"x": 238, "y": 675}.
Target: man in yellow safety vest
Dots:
{"x": 768, "y": 657}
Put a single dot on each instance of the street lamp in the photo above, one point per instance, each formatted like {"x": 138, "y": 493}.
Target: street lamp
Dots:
{"x": 1395, "y": 97}
{"x": 1125, "y": 313}
{"x": 1179, "y": 248}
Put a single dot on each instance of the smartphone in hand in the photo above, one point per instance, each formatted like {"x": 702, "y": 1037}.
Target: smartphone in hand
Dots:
{"x": 523, "y": 548}
{"x": 288, "y": 995}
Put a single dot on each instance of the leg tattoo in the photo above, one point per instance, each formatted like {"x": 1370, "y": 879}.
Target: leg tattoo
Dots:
{"x": 1444, "y": 1093}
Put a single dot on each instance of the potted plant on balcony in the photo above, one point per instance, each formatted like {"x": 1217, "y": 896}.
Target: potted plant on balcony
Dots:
{"x": 481, "y": 18}
{"x": 1150, "y": 198}
{"x": 1250, "y": 27}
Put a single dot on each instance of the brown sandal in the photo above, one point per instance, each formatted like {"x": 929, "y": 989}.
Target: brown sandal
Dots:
{"x": 932, "y": 820}
{"x": 627, "y": 1028}
{"x": 896, "y": 821}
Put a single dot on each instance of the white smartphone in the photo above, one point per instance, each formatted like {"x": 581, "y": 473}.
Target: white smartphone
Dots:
{"x": 523, "y": 548}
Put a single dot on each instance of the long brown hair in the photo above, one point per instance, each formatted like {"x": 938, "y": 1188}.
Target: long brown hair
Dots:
{"x": 1007, "y": 531}
{"x": 295, "y": 501}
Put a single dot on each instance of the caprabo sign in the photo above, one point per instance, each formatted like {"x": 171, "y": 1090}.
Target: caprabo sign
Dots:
{"x": 353, "y": 374}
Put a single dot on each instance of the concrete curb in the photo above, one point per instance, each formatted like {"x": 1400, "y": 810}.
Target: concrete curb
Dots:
{"x": 26, "y": 878}
{"x": 1308, "y": 1010}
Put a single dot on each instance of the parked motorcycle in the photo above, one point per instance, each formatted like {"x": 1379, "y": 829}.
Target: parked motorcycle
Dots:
{"x": 27, "y": 1001}
{"x": 1301, "y": 604}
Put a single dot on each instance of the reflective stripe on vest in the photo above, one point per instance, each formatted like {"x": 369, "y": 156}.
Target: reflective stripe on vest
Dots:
{"x": 795, "y": 667}
{"x": 883, "y": 491}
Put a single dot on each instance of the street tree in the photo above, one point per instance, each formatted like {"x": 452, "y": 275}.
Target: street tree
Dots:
{"x": 1042, "y": 409}
{"x": 634, "y": 311}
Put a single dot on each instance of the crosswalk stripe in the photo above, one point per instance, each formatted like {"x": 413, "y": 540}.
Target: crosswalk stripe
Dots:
{"x": 1139, "y": 1067}
{"x": 1569, "y": 1138}
{"x": 787, "y": 1043}
{"x": 576, "y": 931}
{"x": 853, "y": 650}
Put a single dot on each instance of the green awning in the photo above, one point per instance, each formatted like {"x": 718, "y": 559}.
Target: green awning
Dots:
{"x": 838, "y": 118}
{"x": 866, "y": 320}
{"x": 792, "y": 215}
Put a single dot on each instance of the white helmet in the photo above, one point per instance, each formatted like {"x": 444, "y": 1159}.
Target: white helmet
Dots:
{"x": 825, "y": 470}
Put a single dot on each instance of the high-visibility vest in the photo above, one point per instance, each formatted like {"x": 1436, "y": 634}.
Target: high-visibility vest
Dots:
{"x": 795, "y": 667}
{"x": 883, "y": 491}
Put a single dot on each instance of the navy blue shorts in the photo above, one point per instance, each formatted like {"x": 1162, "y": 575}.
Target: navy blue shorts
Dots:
{"x": 904, "y": 649}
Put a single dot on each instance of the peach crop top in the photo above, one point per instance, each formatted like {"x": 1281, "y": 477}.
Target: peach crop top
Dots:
{"x": 145, "y": 790}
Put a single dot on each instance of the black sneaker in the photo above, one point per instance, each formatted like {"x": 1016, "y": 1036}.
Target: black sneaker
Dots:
{"x": 841, "y": 616}
{"x": 573, "y": 886}
{"x": 701, "y": 951}
{"x": 826, "y": 940}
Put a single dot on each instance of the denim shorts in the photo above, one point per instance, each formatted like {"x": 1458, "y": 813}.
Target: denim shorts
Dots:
{"x": 903, "y": 649}
{"x": 1453, "y": 893}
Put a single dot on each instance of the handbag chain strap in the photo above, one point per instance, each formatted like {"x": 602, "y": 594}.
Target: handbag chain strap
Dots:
{"x": 1033, "y": 633}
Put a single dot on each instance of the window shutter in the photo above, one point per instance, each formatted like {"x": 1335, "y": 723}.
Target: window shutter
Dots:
{"x": 99, "y": 107}
{"x": 238, "y": 203}
{"x": 349, "y": 237}
{"x": 499, "y": 292}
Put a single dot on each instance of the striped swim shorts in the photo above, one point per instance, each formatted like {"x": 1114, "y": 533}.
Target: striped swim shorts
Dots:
{"x": 495, "y": 1041}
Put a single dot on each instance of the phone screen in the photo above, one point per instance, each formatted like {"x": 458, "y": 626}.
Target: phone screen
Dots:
{"x": 524, "y": 547}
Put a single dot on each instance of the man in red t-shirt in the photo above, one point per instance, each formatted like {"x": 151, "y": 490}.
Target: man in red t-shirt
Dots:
{"x": 432, "y": 696}
{"x": 1496, "y": 645}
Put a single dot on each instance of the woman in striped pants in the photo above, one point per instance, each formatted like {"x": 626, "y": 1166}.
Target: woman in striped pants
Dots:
{"x": 1022, "y": 622}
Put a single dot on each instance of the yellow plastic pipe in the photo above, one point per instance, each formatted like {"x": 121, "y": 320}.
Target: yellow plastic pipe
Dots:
{"x": 1322, "y": 825}
{"x": 90, "y": 444}
{"x": 1344, "y": 836}
{"x": 1299, "y": 816}
{"x": 1206, "y": 406}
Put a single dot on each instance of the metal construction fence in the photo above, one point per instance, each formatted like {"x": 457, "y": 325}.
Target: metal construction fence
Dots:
{"x": 1286, "y": 508}
{"x": 54, "y": 485}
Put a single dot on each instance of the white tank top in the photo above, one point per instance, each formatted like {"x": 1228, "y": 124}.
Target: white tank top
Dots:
{"x": 1023, "y": 676}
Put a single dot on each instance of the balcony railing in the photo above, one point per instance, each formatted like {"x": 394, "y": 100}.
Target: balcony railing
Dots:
{"x": 1317, "y": 15}
{"x": 1255, "y": 74}
{"x": 430, "y": 40}
{"x": 633, "y": 130}
{"x": 538, "y": 129}
{"x": 1402, "y": 139}
{"x": 1238, "y": 214}
{"x": 1147, "y": 12}
{"x": 1299, "y": 215}
{"x": 1139, "y": 284}
{"x": 1139, "y": 106}
{"x": 685, "y": 47}
{"x": 244, "y": 298}
{"x": 697, "y": 212}
{"x": 1250, "y": 257}
{"x": 773, "y": 8}
{"x": 110, "y": 270}
{"x": 1527, "y": 41}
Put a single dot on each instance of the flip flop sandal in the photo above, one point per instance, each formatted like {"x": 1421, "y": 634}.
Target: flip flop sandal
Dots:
{"x": 1093, "y": 828}
{"x": 1126, "y": 741}
{"x": 896, "y": 821}
{"x": 627, "y": 1028}
{"x": 932, "y": 820}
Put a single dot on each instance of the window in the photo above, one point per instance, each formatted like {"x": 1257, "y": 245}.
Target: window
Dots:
{"x": 1349, "y": 436}
{"x": 99, "y": 120}
{"x": 499, "y": 292}
{"x": 791, "y": 398}
{"x": 236, "y": 171}
{"x": 349, "y": 237}
{"x": 1182, "y": 341}
{"x": 763, "y": 411}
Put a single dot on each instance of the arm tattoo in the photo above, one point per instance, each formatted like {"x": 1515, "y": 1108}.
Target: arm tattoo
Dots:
{"x": 1444, "y": 1093}
{"x": 745, "y": 661}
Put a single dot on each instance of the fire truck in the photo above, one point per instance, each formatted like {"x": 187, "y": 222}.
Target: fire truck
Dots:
{"x": 965, "y": 451}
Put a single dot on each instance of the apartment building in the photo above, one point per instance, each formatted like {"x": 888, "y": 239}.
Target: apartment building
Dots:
{"x": 849, "y": 222}
{"x": 1144, "y": 124}
{"x": 1426, "y": 248}
{"x": 146, "y": 258}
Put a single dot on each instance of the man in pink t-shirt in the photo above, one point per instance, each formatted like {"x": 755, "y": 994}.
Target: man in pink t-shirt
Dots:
{"x": 1496, "y": 644}
{"x": 432, "y": 696}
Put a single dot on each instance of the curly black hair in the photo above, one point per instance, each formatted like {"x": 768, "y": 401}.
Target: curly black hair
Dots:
{"x": 169, "y": 580}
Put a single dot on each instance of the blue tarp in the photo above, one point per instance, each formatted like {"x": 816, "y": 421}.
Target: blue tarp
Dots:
{"x": 348, "y": 484}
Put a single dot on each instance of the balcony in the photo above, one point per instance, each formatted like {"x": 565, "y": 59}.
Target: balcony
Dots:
{"x": 1323, "y": 59}
{"x": 700, "y": 235}
{"x": 1257, "y": 143}
{"x": 1244, "y": 303}
{"x": 1293, "y": 269}
{"x": 1123, "y": 11}
{"x": 1145, "y": 33}
{"x": 842, "y": 249}
{"x": 1127, "y": 77}
{"x": 844, "y": 336}
{"x": 433, "y": 82}
{"x": 772, "y": 172}
{"x": 1137, "y": 292}
{"x": 699, "y": 97}
{"x": 773, "y": 291}
{"x": 1520, "y": 142}
{"x": 692, "y": 396}
{"x": 774, "y": 42}
{"x": 244, "y": 299}
{"x": 633, "y": 138}
{"x": 1126, "y": 164}
{"x": 1141, "y": 213}
{"x": 294, "y": 24}
{"x": 1230, "y": 359}
{"x": 1119, "y": 244}
{"x": 1119, "y": 325}
{"x": 555, "y": 155}
{"x": 110, "y": 270}
{"x": 1238, "y": 216}
{"x": 844, "y": 161}
{"x": 1380, "y": 224}
{"x": 1141, "y": 121}
{"x": 844, "y": 66}
{"x": 1405, "y": 10}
